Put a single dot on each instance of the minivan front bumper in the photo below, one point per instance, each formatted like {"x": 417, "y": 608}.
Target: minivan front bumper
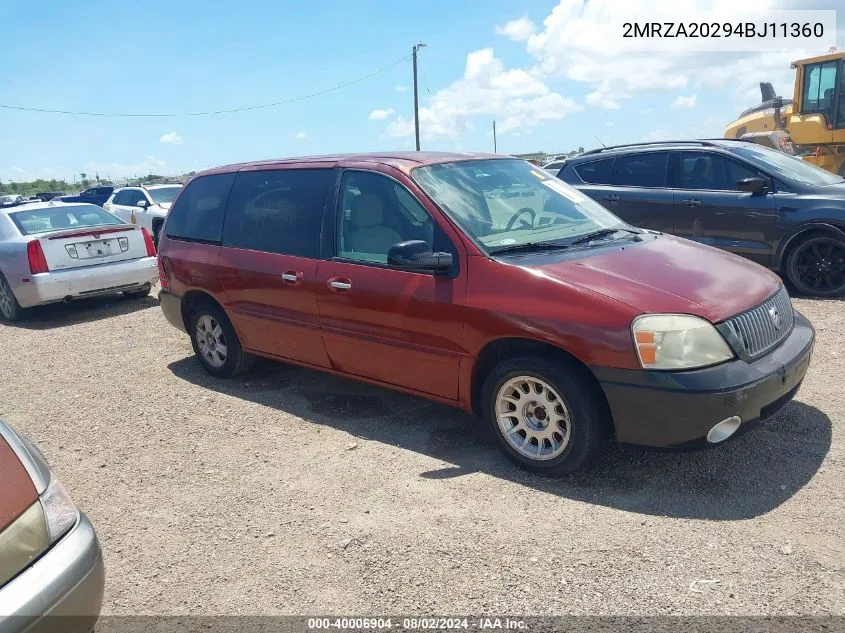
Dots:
{"x": 678, "y": 409}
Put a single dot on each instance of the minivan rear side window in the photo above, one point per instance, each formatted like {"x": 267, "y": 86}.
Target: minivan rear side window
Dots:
{"x": 595, "y": 172}
{"x": 641, "y": 170}
{"x": 278, "y": 211}
{"x": 197, "y": 214}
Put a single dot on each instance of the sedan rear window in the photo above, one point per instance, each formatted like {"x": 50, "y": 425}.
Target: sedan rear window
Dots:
{"x": 64, "y": 217}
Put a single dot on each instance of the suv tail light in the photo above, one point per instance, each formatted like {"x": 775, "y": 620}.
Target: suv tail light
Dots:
{"x": 148, "y": 240}
{"x": 37, "y": 261}
{"x": 163, "y": 279}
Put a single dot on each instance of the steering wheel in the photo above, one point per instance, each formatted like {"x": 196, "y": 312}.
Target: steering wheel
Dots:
{"x": 523, "y": 223}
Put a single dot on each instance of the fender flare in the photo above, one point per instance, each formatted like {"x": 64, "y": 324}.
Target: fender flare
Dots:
{"x": 801, "y": 229}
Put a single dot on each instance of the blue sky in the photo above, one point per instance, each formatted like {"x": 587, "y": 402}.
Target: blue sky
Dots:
{"x": 506, "y": 61}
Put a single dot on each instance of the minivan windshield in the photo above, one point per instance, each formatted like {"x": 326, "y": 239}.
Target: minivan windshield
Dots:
{"x": 786, "y": 166}
{"x": 505, "y": 203}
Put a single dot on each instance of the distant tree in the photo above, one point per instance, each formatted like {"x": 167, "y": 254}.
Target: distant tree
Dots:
{"x": 83, "y": 175}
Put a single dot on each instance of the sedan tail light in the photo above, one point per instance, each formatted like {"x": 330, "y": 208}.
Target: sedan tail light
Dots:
{"x": 148, "y": 240}
{"x": 37, "y": 261}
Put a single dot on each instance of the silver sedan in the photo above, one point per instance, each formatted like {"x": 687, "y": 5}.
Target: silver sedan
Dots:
{"x": 50, "y": 560}
{"x": 51, "y": 252}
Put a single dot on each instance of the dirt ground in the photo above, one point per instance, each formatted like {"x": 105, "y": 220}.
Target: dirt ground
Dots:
{"x": 289, "y": 491}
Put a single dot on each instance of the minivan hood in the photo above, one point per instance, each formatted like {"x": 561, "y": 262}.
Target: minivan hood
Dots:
{"x": 165, "y": 205}
{"x": 668, "y": 274}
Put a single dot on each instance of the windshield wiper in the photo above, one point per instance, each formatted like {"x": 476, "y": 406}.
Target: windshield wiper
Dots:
{"x": 589, "y": 237}
{"x": 529, "y": 246}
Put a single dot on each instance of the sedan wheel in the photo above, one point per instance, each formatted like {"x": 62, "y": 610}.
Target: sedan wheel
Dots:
{"x": 816, "y": 266}
{"x": 9, "y": 307}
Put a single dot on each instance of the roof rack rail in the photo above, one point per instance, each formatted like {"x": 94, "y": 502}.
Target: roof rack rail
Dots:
{"x": 701, "y": 142}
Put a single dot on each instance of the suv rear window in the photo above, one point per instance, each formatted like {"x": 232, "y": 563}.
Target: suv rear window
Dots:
{"x": 197, "y": 214}
{"x": 641, "y": 170}
{"x": 596, "y": 172}
{"x": 278, "y": 211}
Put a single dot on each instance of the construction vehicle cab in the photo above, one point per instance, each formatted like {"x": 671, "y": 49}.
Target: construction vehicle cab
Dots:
{"x": 814, "y": 118}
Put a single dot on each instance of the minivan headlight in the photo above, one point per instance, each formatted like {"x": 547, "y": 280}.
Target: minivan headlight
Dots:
{"x": 678, "y": 341}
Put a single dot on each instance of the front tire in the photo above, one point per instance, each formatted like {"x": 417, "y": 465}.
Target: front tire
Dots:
{"x": 548, "y": 417}
{"x": 215, "y": 342}
{"x": 815, "y": 266}
{"x": 10, "y": 309}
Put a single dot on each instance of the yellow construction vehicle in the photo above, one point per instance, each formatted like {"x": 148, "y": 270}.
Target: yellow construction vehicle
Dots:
{"x": 814, "y": 118}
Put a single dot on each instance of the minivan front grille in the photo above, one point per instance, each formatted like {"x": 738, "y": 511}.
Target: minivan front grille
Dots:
{"x": 763, "y": 327}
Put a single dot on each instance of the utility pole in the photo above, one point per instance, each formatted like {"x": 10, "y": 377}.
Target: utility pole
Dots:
{"x": 495, "y": 149}
{"x": 414, "y": 50}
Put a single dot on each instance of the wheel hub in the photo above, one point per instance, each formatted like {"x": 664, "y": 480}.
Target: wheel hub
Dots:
{"x": 535, "y": 416}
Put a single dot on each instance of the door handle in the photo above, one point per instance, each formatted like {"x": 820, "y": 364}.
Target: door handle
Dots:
{"x": 692, "y": 202}
{"x": 291, "y": 276}
{"x": 340, "y": 284}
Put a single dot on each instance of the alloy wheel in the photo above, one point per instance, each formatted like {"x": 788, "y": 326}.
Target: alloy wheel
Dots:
{"x": 819, "y": 264}
{"x": 211, "y": 340}
{"x": 6, "y": 299}
{"x": 533, "y": 418}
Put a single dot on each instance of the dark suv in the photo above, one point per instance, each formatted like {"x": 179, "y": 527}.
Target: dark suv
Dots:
{"x": 768, "y": 206}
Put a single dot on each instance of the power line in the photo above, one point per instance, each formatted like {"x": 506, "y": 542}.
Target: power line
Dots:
{"x": 211, "y": 112}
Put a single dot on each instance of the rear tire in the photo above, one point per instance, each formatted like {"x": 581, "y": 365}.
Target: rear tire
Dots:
{"x": 10, "y": 309}
{"x": 815, "y": 265}
{"x": 138, "y": 294}
{"x": 215, "y": 342}
{"x": 548, "y": 416}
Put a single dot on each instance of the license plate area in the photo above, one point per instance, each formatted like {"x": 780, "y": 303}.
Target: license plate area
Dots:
{"x": 94, "y": 249}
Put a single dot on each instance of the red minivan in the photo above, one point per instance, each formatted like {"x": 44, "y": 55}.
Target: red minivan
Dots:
{"x": 482, "y": 282}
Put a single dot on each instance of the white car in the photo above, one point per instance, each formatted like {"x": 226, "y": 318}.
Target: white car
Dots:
{"x": 147, "y": 204}
{"x": 51, "y": 252}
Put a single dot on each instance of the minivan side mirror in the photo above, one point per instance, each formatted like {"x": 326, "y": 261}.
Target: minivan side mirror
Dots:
{"x": 142, "y": 203}
{"x": 754, "y": 185}
{"x": 416, "y": 255}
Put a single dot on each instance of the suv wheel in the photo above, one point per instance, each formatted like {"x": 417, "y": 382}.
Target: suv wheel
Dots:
{"x": 548, "y": 417}
{"x": 10, "y": 309}
{"x": 816, "y": 265}
{"x": 216, "y": 344}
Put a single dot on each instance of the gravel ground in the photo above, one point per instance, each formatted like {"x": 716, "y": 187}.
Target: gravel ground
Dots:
{"x": 289, "y": 491}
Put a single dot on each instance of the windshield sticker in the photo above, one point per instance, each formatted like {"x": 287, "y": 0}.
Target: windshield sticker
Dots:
{"x": 566, "y": 192}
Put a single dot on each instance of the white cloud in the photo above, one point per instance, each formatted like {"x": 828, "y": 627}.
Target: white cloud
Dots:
{"x": 377, "y": 115}
{"x": 599, "y": 100}
{"x": 171, "y": 137}
{"x": 515, "y": 98}
{"x": 518, "y": 30}
{"x": 402, "y": 88}
{"x": 685, "y": 102}
{"x": 573, "y": 44}
{"x": 301, "y": 135}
